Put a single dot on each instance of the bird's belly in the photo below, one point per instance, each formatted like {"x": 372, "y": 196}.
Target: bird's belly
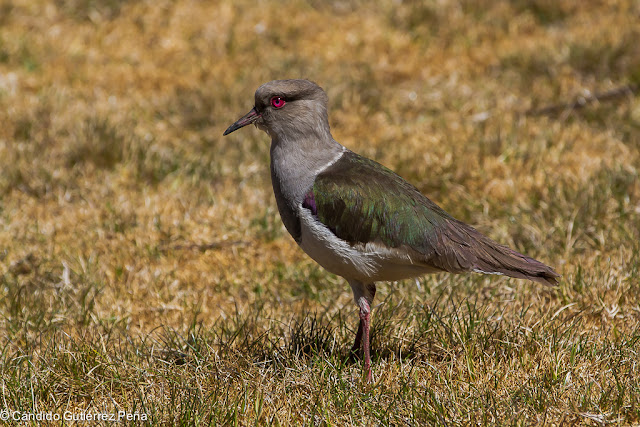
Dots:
{"x": 367, "y": 263}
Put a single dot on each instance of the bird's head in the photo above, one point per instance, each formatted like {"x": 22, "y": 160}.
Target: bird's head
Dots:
{"x": 287, "y": 109}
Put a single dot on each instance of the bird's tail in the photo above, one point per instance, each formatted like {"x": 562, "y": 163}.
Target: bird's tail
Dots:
{"x": 493, "y": 258}
{"x": 470, "y": 250}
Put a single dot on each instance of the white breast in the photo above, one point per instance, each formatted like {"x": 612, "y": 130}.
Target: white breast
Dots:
{"x": 367, "y": 263}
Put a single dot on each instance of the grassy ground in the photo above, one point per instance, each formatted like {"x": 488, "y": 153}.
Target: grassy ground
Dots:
{"x": 144, "y": 267}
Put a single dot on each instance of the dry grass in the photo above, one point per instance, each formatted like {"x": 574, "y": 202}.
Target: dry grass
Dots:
{"x": 144, "y": 267}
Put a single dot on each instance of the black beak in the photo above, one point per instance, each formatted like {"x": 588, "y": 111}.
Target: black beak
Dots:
{"x": 247, "y": 119}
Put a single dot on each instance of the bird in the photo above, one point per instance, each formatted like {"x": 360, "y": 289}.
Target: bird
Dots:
{"x": 357, "y": 218}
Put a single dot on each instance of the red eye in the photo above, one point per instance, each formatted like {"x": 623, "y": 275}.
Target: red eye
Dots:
{"x": 277, "y": 102}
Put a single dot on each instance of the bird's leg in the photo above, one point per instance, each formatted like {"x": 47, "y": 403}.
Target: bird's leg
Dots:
{"x": 363, "y": 295}
{"x": 365, "y": 322}
{"x": 357, "y": 344}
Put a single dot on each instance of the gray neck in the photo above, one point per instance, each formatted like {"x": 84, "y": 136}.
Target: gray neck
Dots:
{"x": 295, "y": 163}
{"x": 294, "y": 167}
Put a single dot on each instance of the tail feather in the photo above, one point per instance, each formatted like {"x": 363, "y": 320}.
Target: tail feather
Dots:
{"x": 494, "y": 258}
{"x": 469, "y": 250}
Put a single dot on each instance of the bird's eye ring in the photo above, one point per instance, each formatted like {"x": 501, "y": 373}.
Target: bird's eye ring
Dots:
{"x": 278, "y": 102}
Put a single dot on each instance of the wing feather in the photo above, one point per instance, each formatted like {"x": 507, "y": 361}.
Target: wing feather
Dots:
{"x": 362, "y": 202}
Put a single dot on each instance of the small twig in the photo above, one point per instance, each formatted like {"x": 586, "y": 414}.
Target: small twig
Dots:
{"x": 583, "y": 101}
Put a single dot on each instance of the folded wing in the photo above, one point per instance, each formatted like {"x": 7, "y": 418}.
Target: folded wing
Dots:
{"x": 362, "y": 202}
